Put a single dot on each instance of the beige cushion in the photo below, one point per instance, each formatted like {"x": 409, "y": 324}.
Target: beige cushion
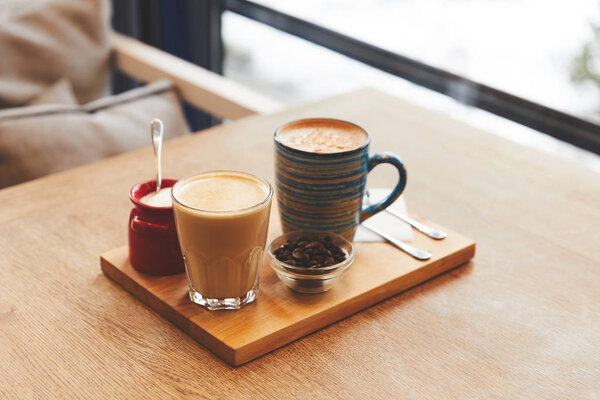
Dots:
{"x": 43, "y": 139}
{"x": 59, "y": 93}
{"x": 42, "y": 41}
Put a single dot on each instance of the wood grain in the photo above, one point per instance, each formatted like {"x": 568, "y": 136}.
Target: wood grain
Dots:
{"x": 378, "y": 272}
{"x": 520, "y": 321}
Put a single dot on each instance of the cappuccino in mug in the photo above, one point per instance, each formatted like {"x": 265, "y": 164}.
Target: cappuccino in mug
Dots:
{"x": 318, "y": 136}
{"x": 321, "y": 168}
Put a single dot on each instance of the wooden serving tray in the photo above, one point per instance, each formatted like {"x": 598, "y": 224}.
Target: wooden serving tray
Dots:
{"x": 279, "y": 315}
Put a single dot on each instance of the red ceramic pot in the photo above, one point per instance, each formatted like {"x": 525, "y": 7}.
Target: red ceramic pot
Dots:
{"x": 153, "y": 244}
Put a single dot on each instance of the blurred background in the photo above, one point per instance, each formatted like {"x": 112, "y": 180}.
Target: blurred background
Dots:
{"x": 544, "y": 51}
{"x": 481, "y": 58}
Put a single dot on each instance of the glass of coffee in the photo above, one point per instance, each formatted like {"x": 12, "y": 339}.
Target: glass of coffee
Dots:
{"x": 222, "y": 218}
{"x": 321, "y": 168}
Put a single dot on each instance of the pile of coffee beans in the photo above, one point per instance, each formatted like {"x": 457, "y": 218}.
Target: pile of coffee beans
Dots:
{"x": 310, "y": 253}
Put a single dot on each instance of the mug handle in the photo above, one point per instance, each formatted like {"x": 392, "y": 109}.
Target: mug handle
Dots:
{"x": 141, "y": 226}
{"x": 383, "y": 158}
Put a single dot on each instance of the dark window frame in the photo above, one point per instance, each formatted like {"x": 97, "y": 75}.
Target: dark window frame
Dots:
{"x": 563, "y": 126}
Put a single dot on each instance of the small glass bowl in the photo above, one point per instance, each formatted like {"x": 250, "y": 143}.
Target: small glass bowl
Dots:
{"x": 310, "y": 280}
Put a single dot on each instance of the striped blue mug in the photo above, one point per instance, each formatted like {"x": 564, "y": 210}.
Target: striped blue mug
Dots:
{"x": 321, "y": 168}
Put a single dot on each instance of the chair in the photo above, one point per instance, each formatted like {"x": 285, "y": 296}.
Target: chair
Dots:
{"x": 28, "y": 143}
{"x": 204, "y": 89}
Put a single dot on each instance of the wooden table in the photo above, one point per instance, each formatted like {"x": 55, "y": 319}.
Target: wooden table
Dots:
{"x": 520, "y": 321}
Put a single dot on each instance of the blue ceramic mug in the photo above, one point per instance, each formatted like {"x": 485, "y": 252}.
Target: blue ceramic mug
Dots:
{"x": 323, "y": 191}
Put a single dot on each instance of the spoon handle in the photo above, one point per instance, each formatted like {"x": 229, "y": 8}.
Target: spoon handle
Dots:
{"x": 156, "y": 130}
{"x": 405, "y": 247}
{"x": 431, "y": 232}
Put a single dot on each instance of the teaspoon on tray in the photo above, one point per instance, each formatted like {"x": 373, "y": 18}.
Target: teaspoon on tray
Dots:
{"x": 421, "y": 227}
{"x": 405, "y": 247}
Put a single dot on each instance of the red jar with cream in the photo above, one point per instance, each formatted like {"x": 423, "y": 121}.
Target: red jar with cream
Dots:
{"x": 153, "y": 244}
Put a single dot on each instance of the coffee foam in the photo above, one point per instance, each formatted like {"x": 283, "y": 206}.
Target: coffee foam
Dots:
{"x": 322, "y": 136}
{"x": 222, "y": 192}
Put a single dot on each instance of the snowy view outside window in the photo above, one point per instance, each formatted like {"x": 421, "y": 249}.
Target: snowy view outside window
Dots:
{"x": 544, "y": 51}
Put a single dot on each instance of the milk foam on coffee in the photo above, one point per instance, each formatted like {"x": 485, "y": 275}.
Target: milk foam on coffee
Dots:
{"x": 160, "y": 199}
{"x": 328, "y": 136}
{"x": 223, "y": 193}
{"x": 222, "y": 220}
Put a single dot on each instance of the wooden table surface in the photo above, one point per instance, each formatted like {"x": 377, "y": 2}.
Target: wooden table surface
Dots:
{"x": 522, "y": 320}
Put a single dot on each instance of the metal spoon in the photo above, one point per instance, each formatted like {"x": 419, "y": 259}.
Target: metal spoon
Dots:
{"x": 405, "y": 247}
{"x": 421, "y": 227}
{"x": 156, "y": 130}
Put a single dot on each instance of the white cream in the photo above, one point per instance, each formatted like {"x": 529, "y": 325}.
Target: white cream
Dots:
{"x": 160, "y": 199}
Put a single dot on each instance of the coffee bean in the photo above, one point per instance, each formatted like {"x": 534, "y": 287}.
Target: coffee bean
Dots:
{"x": 284, "y": 254}
{"x": 310, "y": 253}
